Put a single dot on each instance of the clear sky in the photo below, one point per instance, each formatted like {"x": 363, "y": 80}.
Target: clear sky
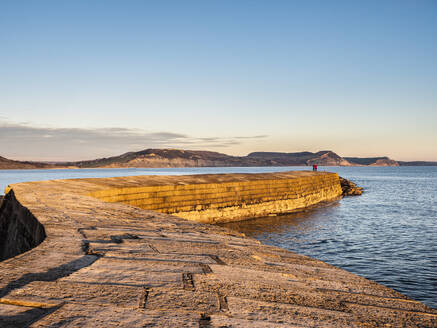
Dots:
{"x": 85, "y": 79}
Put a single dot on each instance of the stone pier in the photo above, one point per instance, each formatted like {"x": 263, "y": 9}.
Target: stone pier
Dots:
{"x": 108, "y": 253}
{"x": 219, "y": 198}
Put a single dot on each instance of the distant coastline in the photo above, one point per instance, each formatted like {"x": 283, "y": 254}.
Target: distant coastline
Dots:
{"x": 166, "y": 158}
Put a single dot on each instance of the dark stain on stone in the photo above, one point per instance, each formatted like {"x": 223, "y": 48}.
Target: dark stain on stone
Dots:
{"x": 142, "y": 299}
{"x": 188, "y": 281}
{"x": 118, "y": 239}
{"x": 223, "y": 302}
{"x": 204, "y": 321}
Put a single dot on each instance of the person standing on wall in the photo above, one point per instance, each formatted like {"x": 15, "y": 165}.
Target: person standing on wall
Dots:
{"x": 314, "y": 167}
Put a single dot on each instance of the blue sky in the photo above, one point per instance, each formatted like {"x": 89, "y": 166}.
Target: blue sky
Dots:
{"x": 84, "y": 79}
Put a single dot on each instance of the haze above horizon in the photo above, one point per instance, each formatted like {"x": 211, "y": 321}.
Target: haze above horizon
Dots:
{"x": 89, "y": 79}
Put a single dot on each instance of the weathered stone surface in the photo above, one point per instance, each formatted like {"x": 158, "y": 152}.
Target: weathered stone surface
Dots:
{"x": 224, "y": 198}
{"x": 114, "y": 265}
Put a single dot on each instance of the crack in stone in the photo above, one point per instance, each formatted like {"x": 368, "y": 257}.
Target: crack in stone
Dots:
{"x": 153, "y": 248}
{"x": 205, "y": 268}
{"x": 216, "y": 259}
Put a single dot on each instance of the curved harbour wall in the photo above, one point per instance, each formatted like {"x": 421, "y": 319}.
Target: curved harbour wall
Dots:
{"x": 225, "y": 198}
{"x": 208, "y": 198}
{"x": 108, "y": 263}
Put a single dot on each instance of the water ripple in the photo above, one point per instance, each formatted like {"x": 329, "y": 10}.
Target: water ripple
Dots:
{"x": 388, "y": 235}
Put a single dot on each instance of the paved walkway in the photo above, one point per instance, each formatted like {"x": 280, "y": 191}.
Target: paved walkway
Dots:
{"x": 114, "y": 265}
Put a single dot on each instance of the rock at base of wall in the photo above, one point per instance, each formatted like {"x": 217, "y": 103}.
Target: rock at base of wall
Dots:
{"x": 349, "y": 188}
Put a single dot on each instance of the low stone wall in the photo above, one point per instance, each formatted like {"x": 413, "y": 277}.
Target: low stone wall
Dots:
{"x": 208, "y": 199}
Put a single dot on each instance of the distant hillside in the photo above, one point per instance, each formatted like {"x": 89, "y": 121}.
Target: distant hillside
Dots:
{"x": 8, "y": 164}
{"x": 372, "y": 161}
{"x": 417, "y": 163}
{"x": 323, "y": 158}
{"x": 170, "y": 158}
{"x": 156, "y": 158}
{"x": 192, "y": 158}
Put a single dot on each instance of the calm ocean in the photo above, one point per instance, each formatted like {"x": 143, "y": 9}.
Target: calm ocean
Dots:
{"x": 389, "y": 234}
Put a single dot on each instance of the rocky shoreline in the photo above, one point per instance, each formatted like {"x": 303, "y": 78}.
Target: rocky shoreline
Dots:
{"x": 349, "y": 188}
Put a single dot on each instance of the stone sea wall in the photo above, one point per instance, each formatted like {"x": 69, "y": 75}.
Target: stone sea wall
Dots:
{"x": 231, "y": 200}
{"x": 106, "y": 264}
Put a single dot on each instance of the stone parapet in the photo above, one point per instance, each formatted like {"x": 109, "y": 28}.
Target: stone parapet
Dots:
{"x": 236, "y": 197}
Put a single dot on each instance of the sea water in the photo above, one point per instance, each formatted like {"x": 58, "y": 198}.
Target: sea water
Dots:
{"x": 389, "y": 234}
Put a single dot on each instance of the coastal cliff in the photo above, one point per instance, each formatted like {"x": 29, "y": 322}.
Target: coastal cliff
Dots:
{"x": 322, "y": 158}
{"x": 372, "y": 161}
